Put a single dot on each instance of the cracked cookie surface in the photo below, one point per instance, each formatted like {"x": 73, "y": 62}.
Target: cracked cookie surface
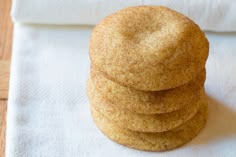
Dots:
{"x": 149, "y": 48}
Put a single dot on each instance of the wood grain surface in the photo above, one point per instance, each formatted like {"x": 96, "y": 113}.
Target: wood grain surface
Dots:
{"x": 3, "y": 109}
{"x": 5, "y": 56}
{"x": 4, "y": 79}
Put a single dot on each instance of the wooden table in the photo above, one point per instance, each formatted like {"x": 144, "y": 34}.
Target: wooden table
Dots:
{"x": 5, "y": 57}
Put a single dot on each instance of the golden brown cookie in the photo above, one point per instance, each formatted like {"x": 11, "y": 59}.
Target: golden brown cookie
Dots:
{"x": 148, "y": 102}
{"x": 152, "y": 141}
{"x": 148, "y": 48}
{"x": 143, "y": 122}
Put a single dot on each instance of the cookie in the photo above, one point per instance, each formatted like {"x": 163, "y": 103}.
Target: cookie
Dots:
{"x": 148, "y": 102}
{"x": 152, "y": 141}
{"x": 143, "y": 122}
{"x": 148, "y": 48}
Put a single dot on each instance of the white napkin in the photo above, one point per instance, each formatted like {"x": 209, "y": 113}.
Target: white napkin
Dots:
{"x": 48, "y": 111}
{"x": 214, "y": 15}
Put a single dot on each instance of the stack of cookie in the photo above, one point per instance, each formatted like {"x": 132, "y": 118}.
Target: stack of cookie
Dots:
{"x": 146, "y": 85}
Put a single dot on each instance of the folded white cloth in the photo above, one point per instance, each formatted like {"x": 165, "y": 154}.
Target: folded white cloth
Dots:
{"x": 48, "y": 111}
{"x": 214, "y": 15}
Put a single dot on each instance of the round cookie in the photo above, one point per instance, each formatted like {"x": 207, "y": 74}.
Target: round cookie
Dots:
{"x": 148, "y": 48}
{"x": 142, "y": 122}
{"x": 148, "y": 102}
{"x": 152, "y": 141}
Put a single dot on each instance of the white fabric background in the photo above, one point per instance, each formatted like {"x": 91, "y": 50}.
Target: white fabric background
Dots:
{"x": 48, "y": 111}
{"x": 214, "y": 15}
